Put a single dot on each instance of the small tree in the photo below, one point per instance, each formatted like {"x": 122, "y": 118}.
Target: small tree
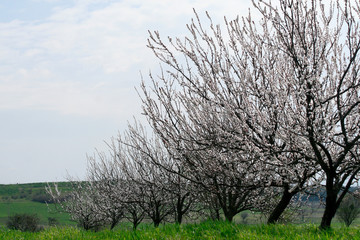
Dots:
{"x": 81, "y": 204}
{"x": 166, "y": 172}
{"x": 244, "y": 216}
{"x": 24, "y": 222}
{"x": 349, "y": 210}
{"x": 148, "y": 180}
{"x": 52, "y": 221}
{"x": 134, "y": 213}
{"x": 109, "y": 183}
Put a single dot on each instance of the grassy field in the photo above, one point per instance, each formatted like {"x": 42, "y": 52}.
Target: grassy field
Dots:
{"x": 205, "y": 230}
{"x": 26, "y": 206}
{"x": 23, "y": 198}
{"x": 27, "y": 190}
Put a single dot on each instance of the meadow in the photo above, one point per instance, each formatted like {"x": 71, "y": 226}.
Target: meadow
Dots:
{"x": 30, "y": 198}
{"x": 204, "y": 230}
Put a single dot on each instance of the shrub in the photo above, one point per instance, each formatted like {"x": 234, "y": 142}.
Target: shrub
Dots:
{"x": 41, "y": 198}
{"x": 348, "y": 210}
{"x": 24, "y": 222}
{"x": 52, "y": 221}
{"x": 244, "y": 216}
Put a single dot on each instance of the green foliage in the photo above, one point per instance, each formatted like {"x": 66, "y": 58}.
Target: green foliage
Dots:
{"x": 41, "y": 198}
{"x": 205, "y": 230}
{"x": 52, "y": 221}
{"x": 244, "y": 216}
{"x": 349, "y": 210}
{"x": 24, "y": 222}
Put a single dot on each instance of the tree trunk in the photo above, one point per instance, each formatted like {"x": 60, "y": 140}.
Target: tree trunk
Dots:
{"x": 179, "y": 210}
{"x": 330, "y": 210}
{"x": 136, "y": 220}
{"x": 115, "y": 218}
{"x": 113, "y": 224}
{"x": 229, "y": 216}
{"x": 135, "y": 224}
{"x": 179, "y": 218}
{"x": 281, "y": 206}
{"x": 215, "y": 214}
{"x": 156, "y": 215}
{"x": 156, "y": 223}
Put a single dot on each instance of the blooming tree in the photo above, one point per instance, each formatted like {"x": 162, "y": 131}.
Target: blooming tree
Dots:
{"x": 108, "y": 182}
{"x": 279, "y": 96}
{"x": 81, "y": 203}
{"x": 120, "y": 195}
{"x": 150, "y": 165}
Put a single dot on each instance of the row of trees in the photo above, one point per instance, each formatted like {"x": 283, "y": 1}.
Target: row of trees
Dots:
{"x": 138, "y": 179}
{"x": 245, "y": 114}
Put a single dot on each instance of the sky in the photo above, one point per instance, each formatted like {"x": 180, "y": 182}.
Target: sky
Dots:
{"x": 69, "y": 70}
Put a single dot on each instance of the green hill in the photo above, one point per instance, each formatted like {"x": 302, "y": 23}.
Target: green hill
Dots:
{"x": 30, "y": 198}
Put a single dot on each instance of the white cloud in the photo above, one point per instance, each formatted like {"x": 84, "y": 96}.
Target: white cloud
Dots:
{"x": 54, "y": 63}
{"x": 72, "y": 98}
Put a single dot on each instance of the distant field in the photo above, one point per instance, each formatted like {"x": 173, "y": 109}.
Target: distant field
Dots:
{"x": 26, "y": 206}
{"x": 28, "y": 198}
{"x": 27, "y": 191}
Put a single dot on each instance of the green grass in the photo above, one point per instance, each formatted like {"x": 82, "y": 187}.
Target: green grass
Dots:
{"x": 17, "y": 198}
{"x": 26, "y": 206}
{"x": 205, "y": 230}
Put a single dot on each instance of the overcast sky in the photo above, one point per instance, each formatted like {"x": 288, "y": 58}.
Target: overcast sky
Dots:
{"x": 68, "y": 72}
